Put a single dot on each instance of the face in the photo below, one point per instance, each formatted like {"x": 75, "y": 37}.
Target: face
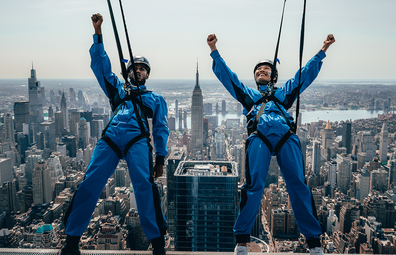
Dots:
{"x": 262, "y": 74}
{"x": 141, "y": 72}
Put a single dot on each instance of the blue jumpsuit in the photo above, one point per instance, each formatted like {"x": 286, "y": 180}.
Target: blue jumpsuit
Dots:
{"x": 273, "y": 126}
{"x": 122, "y": 129}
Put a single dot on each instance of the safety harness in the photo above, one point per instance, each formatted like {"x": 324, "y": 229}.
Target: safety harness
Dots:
{"x": 139, "y": 114}
{"x": 253, "y": 120}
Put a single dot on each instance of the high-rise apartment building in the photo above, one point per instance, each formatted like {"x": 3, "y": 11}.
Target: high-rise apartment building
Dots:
{"x": 206, "y": 205}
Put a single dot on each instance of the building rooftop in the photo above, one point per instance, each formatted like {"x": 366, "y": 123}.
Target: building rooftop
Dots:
{"x": 207, "y": 168}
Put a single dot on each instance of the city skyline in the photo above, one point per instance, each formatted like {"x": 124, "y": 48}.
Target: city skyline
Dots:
{"x": 42, "y": 163}
{"x": 56, "y": 36}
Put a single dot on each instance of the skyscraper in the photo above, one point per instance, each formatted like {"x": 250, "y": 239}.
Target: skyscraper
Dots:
{"x": 379, "y": 180}
{"x": 364, "y": 140}
{"x": 35, "y": 102}
{"x": 223, "y": 107}
{"x": 64, "y": 111}
{"x": 176, "y": 109}
{"x": 9, "y": 129}
{"x": 346, "y": 137}
{"x": 206, "y": 205}
{"x": 392, "y": 172}
{"x": 59, "y": 125}
{"x": 8, "y": 197}
{"x": 180, "y": 120}
{"x": 364, "y": 184}
{"x": 384, "y": 140}
{"x": 97, "y": 128}
{"x": 174, "y": 159}
{"x": 21, "y": 115}
{"x": 41, "y": 181}
{"x": 6, "y": 174}
{"x": 327, "y": 136}
{"x": 197, "y": 117}
{"x": 48, "y": 129}
{"x": 84, "y": 133}
{"x": 316, "y": 157}
{"x": 332, "y": 177}
{"x": 344, "y": 167}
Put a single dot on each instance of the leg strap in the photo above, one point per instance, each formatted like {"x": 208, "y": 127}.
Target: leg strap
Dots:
{"x": 132, "y": 142}
{"x": 279, "y": 145}
{"x": 282, "y": 141}
{"x": 264, "y": 139}
{"x": 113, "y": 146}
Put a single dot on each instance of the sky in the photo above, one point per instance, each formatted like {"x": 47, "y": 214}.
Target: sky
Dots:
{"x": 56, "y": 35}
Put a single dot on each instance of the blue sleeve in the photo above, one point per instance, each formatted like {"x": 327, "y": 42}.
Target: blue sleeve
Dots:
{"x": 245, "y": 95}
{"x": 289, "y": 92}
{"x": 160, "y": 129}
{"x": 101, "y": 67}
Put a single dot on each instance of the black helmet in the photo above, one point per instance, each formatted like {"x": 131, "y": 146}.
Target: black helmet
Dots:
{"x": 139, "y": 60}
{"x": 269, "y": 63}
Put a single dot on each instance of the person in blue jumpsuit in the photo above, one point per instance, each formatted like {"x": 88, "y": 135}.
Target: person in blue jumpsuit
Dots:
{"x": 268, "y": 123}
{"x": 122, "y": 129}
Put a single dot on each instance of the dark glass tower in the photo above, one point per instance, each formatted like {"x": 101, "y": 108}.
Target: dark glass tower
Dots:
{"x": 206, "y": 205}
{"x": 174, "y": 159}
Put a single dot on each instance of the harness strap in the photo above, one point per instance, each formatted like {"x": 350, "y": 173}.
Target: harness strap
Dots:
{"x": 278, "y": 146}
{"x": 300, "y": 61}
{"x": 264, "y": 139}
{"x": 132, "y": 142}
{"x": 282, "y": 141}
{"x": 277, "y": 47}
{"x": 113, "y": 146}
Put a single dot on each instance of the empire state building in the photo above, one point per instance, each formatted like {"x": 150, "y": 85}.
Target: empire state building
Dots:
{"x": 197, "y": 117}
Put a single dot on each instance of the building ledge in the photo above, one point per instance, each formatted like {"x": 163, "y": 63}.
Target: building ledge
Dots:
{"x": 6, "y": 251}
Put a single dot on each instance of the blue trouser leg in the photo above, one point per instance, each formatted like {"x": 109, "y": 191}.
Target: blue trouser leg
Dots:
{"x": 101, "y": 167}
{"x": 258, "y": 160}
{"x": 148, "y": 203}
{"x": 290, "y": 162}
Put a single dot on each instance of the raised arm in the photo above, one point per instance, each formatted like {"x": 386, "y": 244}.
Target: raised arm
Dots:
{"x": 327, "y": 42}
{"x": 100, "y": 62}
{"x": 288, "y": 93}
{"x": 245, "y": 95}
